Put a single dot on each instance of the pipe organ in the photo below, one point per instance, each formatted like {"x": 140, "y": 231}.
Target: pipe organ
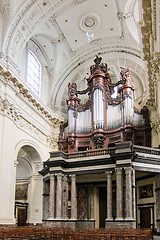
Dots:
{"x": 106, "y": 118}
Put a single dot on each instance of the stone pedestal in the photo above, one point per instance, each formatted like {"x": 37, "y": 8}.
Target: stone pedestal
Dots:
{"x": 120, "y": 224}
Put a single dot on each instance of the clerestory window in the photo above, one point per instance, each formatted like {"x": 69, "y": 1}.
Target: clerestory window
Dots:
{"x": 33, "y": 72}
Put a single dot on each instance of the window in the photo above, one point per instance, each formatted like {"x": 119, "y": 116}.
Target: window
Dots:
{"x": 33, "y": 73}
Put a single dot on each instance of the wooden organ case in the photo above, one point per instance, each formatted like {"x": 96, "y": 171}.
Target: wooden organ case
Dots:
{"x": 104, "y": 119}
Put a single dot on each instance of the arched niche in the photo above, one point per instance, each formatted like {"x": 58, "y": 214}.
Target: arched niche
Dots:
{"x": 28, "y": 192}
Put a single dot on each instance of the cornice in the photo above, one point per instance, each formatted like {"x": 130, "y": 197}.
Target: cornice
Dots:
{"x": 20, "y": 90}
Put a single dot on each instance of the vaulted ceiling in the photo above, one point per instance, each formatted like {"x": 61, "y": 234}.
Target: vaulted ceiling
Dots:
{"x": 70, "y": 33}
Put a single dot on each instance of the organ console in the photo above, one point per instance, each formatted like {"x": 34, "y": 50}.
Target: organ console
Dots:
{"x": 107, "y": 117}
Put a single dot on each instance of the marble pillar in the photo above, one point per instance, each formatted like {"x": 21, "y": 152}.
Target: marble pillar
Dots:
{"x": 91, "y": 201}
{"x": 109, "y": 195}
{"x": 157, "y": 190}
{"x": 52, "y": 195}
{"x": 45, "y": 199}
{"x": 59, "y": 196}
{"x": 73, "y": 197}
{"x": 65, "y": 198}
{"x": 134, "y": 194}
{"x": 128, "y": 193}
{"x": 119, "y": 194}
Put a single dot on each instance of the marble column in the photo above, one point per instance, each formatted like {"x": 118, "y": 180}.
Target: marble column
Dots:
{"x": 65, "y": 197}
{"x": 59, "y": 196}
{"x": 73, "y": 197}
{"x": 157, "y": 190}
{"x": 109, "y": 195}
{"x": 91, "y": 201}
{"x": 119, "y": 194}
{"x": 52, "y": 195}
{"x": 128, "y": 193}
{"x": 45, "y": 199}
{"x": 134, "y": 194}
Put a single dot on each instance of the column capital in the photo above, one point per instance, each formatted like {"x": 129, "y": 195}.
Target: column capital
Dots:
{"x": 128, "y": 170}
{"x": 73, "y": 177}
{"x": 59, "y": 176}
{"x": 109, "y": 174}
{"x": 52, "y": 176}
{"x": 118, "y": 170}
{"x": 65, "y": 177}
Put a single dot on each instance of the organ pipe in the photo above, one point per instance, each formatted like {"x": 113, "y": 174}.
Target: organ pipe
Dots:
{"x": 114, "y": 116}
{"x": 98, "y": 109}
{"x": 84, "y": 121}
{"x": 71, "y": 121}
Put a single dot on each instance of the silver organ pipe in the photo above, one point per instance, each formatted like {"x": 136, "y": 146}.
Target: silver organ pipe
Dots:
{"x": 128, "y": 111}
{"x": 139, "y": 120}
{"x": 84, "y": 121}
{"x": 114, "y": 116}
{"x": 71, "y": 121}
{"x": 98, "y": 109}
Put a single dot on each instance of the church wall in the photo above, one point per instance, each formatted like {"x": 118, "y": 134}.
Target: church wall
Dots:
{"x": 7, "y": 172}
{"x": 22, "y": 124}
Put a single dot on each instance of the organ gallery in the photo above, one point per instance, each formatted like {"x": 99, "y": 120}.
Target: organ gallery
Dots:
{"x": 108, "y": 115}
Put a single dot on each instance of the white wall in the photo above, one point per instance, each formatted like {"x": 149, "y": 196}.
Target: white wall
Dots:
{"x": 22, "y": 124}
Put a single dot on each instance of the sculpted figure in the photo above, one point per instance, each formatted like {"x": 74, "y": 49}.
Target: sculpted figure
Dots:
{"x": 72, "y": 89}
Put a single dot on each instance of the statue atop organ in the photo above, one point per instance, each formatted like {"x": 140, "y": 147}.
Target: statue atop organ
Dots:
{"x": 105, "y": 118}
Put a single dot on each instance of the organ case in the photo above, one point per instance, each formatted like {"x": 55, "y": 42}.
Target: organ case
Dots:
{"x": 104, "y": 119}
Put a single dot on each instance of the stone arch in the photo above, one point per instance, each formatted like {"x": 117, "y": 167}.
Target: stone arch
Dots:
{"x": 28, "y": 192}
{"x": 25, "y": 142}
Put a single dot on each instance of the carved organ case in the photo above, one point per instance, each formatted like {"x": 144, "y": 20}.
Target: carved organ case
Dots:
{"x": 104, "y": 119}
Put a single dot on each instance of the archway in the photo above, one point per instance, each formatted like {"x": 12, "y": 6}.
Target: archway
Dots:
{"x": 28, "y": 193}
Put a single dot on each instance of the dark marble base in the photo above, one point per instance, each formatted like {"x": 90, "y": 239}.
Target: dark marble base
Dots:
{"x": 69, "y": 224}
{"x": 120, "y": 224}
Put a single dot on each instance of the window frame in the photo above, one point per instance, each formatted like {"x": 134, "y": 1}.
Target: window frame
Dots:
{"x": 33, "y": 89}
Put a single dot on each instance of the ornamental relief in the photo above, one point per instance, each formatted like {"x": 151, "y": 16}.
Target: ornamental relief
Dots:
{"x": 155, "y": 124}
{"x": 14, "y": 114}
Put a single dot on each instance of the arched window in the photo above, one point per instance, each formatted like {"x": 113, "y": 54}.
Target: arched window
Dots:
{"x": 33, "y": 73}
